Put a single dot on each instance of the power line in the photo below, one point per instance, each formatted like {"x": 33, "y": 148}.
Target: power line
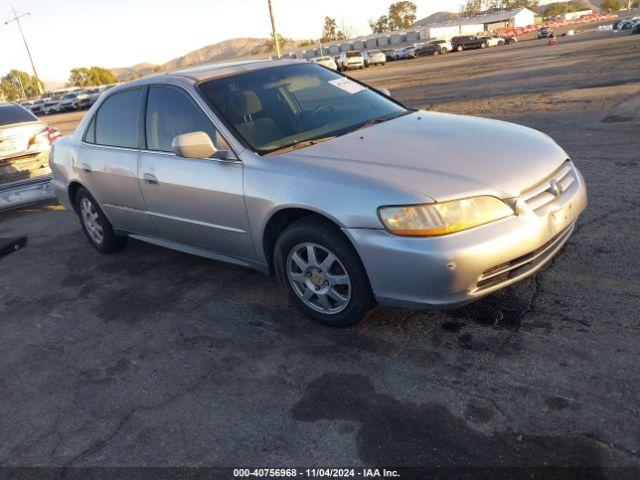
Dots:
{"x": 16, "y": 18}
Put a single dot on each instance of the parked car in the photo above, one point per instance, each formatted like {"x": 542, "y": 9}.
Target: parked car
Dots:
{"x": 509, "y": 39}
{"x": 445, "y": 43}
{"x": 467, "y": 42}
{"x": 545, "y": 32}
{"x": 37, "y": 107}
{"x": 493, "y": 40}
{"x": 390, "y": 55}
{"x": 431, "y": 49}
{"x": 52, "y": 105}
{"x": 24, "y": 143}
{"x": 405, "y": 53}
{"x": 325, "y": 62}
{"x": 68, "y": 102}
{"x": 374, "y": 57}
{"x": 350, "y": 198}
{"x": 351, "y": 59}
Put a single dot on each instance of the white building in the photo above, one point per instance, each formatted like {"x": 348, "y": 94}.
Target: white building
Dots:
{"x": 520, "y": 17}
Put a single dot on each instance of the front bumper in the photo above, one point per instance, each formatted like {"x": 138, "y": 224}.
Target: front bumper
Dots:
{"x": 452, "y": 270}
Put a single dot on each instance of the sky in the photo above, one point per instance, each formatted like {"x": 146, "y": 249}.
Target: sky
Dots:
{"x": 64, "y": 34}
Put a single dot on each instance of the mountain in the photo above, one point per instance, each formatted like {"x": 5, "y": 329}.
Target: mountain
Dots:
{"x": 140, "y": 69}
{"x": 229, "y": 49}
{"x": 218, "y": 52}
{"x": 437, "y": 17}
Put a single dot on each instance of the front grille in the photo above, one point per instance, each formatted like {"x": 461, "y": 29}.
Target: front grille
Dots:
{"x": 557, "y": 185}
{"x": 508, "y": 270}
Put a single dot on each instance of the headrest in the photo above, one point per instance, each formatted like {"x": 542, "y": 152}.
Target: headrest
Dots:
{"x": 245, "y": 103}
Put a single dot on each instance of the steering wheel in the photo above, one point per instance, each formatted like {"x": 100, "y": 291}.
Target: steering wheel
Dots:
{"x": 316, "y": 111}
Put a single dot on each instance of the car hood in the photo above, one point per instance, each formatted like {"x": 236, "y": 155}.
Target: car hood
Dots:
{"x": 442, "y": 156}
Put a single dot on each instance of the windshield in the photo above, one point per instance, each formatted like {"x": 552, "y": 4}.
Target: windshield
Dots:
{"x": 279, "y": 107}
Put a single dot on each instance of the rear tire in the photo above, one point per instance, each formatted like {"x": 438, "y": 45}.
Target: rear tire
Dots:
{"x": 95, "y": 224}
{"x": 322, "y": 273}
{"x": 483, "y": 45}
{"x": 460, "y": 48}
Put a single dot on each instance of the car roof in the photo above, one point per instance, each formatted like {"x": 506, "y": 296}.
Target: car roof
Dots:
{"x": 209, "y": 72}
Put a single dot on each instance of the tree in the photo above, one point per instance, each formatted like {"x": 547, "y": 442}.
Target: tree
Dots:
{"x": 90, "y": 77}
{"x": 270, "y": 45}
{"x": 17, "y": 85}
{"x": 611, "y": 5}
{"x": 330, "y": 30}
{"x": 346, "y": 30}
{"x": 471, "y": 8}
{"x": 402, "y": 15}
{"x": 555, "y": 9}
{"x": 380, "y": 25}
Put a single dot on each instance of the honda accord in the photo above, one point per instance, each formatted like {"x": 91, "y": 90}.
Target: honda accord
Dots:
{"x": 347, "y": 196}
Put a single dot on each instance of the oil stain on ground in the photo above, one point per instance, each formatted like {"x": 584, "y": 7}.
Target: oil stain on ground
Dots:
{"x": 428, "y": 435}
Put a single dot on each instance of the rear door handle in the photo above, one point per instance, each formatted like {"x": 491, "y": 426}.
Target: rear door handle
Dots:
{"x": 150, "y": 179}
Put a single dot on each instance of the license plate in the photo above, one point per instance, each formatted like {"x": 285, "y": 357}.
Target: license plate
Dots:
{"x": 7, "y": 147}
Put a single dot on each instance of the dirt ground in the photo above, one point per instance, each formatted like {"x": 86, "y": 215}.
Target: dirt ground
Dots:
{"x": 153, "y": 357}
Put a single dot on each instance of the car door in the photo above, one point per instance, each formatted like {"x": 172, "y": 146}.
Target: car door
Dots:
{"x": 193, "y": 201}
{"x": 107, "y": 162}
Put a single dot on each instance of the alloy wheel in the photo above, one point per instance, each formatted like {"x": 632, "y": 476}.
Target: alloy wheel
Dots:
{"x": 319, "y": 278}
{"x": 91, "y": 220}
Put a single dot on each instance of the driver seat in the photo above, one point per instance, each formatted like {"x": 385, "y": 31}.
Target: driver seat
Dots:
{"x": 243, "y": 105}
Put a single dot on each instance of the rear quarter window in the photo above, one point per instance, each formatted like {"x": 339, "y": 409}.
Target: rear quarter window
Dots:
{"x": 12, "y": 114}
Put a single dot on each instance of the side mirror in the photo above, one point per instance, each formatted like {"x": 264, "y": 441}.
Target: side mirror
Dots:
{"x": 385, "y": 91}
{"x": 193, "y": 145}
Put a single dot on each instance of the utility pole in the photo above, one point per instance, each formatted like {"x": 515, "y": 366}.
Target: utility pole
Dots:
{"x": 276, "y": 43}
{"x": 16, "y": 18}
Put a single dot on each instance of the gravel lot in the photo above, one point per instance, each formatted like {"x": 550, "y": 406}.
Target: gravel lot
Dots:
{"x": 152, "y": 357}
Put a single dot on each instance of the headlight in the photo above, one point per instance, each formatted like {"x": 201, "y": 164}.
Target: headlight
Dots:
{"x": 443, "y": 218}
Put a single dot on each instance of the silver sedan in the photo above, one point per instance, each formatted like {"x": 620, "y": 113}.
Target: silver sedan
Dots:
{"x": 348, "y": 197}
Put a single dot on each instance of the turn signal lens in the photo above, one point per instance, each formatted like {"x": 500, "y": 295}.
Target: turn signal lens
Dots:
{"x": 443, "y": 218}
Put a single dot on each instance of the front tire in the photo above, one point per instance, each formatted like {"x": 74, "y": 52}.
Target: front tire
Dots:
{"x": 95, "y": 224}
{"x": 323, "y": 274}
{"x": 460, "y": 48}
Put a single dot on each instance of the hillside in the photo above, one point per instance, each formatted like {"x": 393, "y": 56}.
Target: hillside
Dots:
{"x": 218, "y": 52}
{"x": 229, "y": 49}
{"x": 129, "y": 72}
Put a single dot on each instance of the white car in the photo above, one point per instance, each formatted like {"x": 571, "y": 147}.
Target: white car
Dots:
{"x": 374, "y": 57}
{"x": 325, "y": 62}
{"x": 52, "y": 105}
{"x": 351, "y": 59}
{"x": 493, "y": 41}
{"x": 445, "y": 43}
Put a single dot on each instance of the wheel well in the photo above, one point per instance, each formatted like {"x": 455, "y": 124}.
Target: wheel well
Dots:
{"x": 278, "y": 223}
{"x": 73, "y": 190}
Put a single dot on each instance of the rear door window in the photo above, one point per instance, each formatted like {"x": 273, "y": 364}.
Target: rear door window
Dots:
{"x": 117, "y": 122}
{"x": 11, "y": 114}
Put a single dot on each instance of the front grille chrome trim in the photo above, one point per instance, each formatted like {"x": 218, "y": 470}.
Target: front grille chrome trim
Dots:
{"x": 550, "y": 189}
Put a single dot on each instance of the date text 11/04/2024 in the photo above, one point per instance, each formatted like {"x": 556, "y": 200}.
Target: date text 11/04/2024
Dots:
{"x": 316, "y": 473}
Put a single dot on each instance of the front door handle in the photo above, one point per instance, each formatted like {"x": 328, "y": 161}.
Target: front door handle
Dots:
{"x": 86, "y": 167}
{"x": 150, "y": 179}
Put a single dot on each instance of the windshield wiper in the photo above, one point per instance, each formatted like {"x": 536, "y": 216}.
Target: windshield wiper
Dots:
{"x": 300, "y": 144}
{"x": 376, "y": 121}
